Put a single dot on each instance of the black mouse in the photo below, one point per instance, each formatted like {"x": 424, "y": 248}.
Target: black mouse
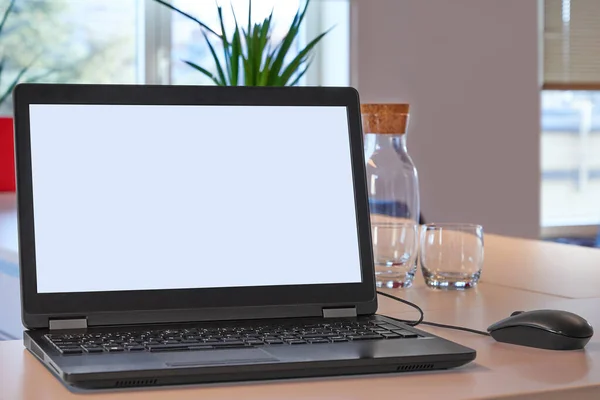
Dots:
{"x": 543, "y": 329}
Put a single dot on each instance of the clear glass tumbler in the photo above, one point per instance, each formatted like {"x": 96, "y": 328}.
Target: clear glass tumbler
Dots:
{"x": 395, "y": 248}
{"x": 451, "y": 255}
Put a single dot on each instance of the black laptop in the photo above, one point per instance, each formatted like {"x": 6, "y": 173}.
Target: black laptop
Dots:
{"x": 173, "y": 234}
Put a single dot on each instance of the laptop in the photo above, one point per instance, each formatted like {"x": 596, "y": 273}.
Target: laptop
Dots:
{"x": 178, "y": 234}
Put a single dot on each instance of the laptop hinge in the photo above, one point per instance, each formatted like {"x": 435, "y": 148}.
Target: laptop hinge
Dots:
{"x": 339, "y": 312}
{"x": 57, "y": 324}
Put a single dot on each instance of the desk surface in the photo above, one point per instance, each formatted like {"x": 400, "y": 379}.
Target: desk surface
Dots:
{"x": 518, "y": 275}
{"x": 500, "y": 370}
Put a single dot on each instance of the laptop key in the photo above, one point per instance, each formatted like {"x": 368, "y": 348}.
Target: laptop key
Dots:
{"x": 93, "y": 349}
{"x": 316, "y": 341}
{"x": 135, "y": 348}
{"x": 406, "y": 334}
{"x": 273, "y": 341}
{"x": 364, "y": 337}
{"x": 167, "y": 347}
{"x": 380, "y": 331}
{"x": 390, "y": 335}
{"x": 295, "y": 341}
{"x": 336, "y": 340}
{"x": 410, "y": 335}
{"x": 200, "y": 347}
{"x": 113, "y": 349}
{"x": 68, "y": 343}
{"x": 70, "y": 350}
{"x": 388, "y": 326}
{"x": 318, "y": 335}
{"x": 228, "y": 344}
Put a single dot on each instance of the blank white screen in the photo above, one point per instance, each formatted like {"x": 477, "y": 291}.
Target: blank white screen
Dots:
{"x": 136, "y": 197}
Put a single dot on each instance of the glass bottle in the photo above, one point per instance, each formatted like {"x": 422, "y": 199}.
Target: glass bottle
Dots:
{"x": 393, "y": 188}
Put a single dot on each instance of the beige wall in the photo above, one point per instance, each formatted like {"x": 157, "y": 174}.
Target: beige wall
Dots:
{"x": 469, "y": 70}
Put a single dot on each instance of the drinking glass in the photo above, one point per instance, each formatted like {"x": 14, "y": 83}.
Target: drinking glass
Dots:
{"x": 395, "y": 252}
{"x": 451, "y": 255}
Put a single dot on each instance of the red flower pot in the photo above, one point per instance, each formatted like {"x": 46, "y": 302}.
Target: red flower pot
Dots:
{"x": 7, "y": 155}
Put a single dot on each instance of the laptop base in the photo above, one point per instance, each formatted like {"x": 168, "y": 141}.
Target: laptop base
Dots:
{"x": 423, "y": 352}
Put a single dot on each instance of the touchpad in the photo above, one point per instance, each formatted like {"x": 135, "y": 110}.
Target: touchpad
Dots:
{"x": 216, "y": 357}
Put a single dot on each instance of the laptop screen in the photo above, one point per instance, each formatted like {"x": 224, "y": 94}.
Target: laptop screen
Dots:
{"x": 145, "y": 197}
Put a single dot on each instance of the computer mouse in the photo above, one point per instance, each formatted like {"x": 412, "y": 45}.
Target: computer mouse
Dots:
{"x": 543, "y": 329}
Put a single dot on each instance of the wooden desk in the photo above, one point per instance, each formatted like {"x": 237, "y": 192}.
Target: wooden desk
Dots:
{"x": 500, "y": 370}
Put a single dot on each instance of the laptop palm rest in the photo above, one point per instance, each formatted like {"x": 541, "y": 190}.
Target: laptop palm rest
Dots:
{"x": 216, "y": 357}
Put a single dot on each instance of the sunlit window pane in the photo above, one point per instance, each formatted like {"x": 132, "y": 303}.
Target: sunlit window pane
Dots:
{"x": 75, "y": 41}
{"x": 570, "y": 158}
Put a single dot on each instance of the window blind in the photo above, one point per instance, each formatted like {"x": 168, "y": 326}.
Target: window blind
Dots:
{"x": 572, "y": 44}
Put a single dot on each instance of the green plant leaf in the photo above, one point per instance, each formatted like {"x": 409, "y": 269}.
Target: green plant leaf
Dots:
{"x": 220, "y": 72}
{"x": 248, "y": 59}
{"x": 2, "y": 63}
{"x": 245, "y": 58}
{"x": 259, "y": 54}
{"x": 265, "y": 36}
{"x": 249, "y": 16}
{"x": 204, "y": 71}
{"x": 250, "y": 48}
{"x": 301, "y": 58}
{"x": 265, "y": 32}
{"x": 188, "y": 16}
{"x": 285, "y": 45}
{"x": 6, "y": 14}
{"x": 236, "y": 53}
{"x": 302, "y": 73}
{"x": 225, "y": 42}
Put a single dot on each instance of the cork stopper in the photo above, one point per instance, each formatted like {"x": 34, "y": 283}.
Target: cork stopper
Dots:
{"x": 384, "y": 118}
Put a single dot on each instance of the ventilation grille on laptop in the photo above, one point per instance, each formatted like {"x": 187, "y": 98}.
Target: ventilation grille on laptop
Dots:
{"x": 136, "y": 382}
{"x": 414, "y": 367}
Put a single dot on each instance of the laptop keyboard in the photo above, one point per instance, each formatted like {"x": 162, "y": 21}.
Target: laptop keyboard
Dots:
{"x": 205, "y": 338}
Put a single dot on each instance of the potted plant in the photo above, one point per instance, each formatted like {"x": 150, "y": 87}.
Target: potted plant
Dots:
{"x": 7, "y": 160}
{"x": 249, "y": 56}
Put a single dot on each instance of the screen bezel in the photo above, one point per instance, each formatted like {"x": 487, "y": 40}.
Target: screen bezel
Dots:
{"x": 86, "y": 304}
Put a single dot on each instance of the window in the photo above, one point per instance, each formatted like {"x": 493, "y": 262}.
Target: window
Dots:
{"x": 571, "y": 114}
{"x": 70, "y": 41}
{"x": 141, "y": 41}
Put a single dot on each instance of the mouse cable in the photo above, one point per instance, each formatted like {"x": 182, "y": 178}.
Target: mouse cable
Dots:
{"x": 422, "y": 315}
